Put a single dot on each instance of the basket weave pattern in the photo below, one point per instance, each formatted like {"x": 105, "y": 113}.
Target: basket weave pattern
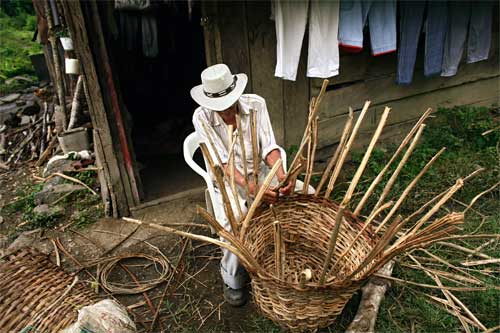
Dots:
{"x": 306, "y": 223}
{"x": 29, "y": 284}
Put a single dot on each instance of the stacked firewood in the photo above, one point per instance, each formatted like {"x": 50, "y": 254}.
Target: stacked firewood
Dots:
{"x": 31, "y": 135}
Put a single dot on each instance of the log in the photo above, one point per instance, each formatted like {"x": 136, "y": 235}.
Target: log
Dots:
{"x": 373, "y": 294}
{"x": 45, "y": 155}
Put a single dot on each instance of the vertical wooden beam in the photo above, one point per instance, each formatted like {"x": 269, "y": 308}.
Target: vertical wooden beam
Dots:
{"x": 113, "y": 103}
{"x": 106, "y": 147}
{"x": 231, "y": 19}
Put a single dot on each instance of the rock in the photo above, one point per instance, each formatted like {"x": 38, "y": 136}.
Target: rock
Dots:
{"x": 20, "y": 102}
{"x": 45, "y": 209}
{"x": 60, "y": 165}
{"x": 25, "y": 120}
{"x": 19, "y": 78}
{"x": 32, "y": 239}
{"x": 51, "y": 193}
{"x": 1, "y": 219}
{"x": 10, "y": 98}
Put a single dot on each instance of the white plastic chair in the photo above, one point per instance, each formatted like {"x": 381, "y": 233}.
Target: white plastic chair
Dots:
{"x": 191, "y": 144}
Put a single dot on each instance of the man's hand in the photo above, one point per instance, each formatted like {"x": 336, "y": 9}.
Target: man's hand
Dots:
{"x": 269, "y": 196}
{"x": 288, "y": 188}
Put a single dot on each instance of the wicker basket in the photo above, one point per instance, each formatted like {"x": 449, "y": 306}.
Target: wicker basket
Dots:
{"x": 306, "y": 223}
{"x": 32, "y": 286}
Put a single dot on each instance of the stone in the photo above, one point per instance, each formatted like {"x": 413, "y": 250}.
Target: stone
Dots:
{"x": 31, "y": 239}
{"x": 19, "y": 78}
{"x": 51, "y": 193}
{"x": 10, "y": 98}
{"x": 45, "y": 209}
{"x": 60, "y": 165}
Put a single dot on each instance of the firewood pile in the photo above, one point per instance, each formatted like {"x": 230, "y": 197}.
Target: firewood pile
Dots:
{"x": 306, "y": 254}
{"x": 31, "y": 133}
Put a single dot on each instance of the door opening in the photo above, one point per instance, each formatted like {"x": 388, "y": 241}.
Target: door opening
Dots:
{"x": 155, "y": 91}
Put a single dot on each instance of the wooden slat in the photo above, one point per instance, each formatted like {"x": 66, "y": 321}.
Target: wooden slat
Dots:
{"x": 404, "y": 110}
{"x": 262, "y": 45}
{"x": 384, "y": 90}
{"x": 231, "y": 20}
{"x": 209, "y": 15}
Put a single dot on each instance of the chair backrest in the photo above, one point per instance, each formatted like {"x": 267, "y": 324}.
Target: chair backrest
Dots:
{"x": 191, "y": 144}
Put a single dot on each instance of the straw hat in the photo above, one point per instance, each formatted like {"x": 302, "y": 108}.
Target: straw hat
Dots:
{"x": 219, "y": 89}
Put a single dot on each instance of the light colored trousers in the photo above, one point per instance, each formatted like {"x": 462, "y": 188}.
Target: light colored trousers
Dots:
{"x": 231, "y": 270}
{"x": 323, "y": 54}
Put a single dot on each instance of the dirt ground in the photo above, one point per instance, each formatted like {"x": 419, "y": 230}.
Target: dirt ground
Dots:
{"x": 193, "y": 301}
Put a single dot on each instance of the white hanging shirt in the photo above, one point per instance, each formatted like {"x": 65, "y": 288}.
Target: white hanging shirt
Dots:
{"x": 219, "y": 132}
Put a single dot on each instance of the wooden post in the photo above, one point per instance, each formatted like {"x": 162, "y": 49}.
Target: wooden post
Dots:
{"x": 106, "y": 146}
{"x": 61, "y": 97}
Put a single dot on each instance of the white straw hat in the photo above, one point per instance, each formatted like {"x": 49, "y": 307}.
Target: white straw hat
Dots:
{"x": 219, "y": 89}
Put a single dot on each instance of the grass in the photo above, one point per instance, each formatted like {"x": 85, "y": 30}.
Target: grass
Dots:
{"x": 81, "y": 208}
{"x": 460, "y": 130}
{"x": 16, "y": 31}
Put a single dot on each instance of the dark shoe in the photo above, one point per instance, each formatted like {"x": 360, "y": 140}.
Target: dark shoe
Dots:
{"x": 235, "y": 297}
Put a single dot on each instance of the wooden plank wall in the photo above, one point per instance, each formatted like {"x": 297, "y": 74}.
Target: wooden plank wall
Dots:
{"x": 248, "y": 44}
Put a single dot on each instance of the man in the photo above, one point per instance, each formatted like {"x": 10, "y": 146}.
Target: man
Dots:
{"x": 221, "y": 101}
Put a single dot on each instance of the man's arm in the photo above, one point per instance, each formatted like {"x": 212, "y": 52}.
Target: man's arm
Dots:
{"x": 271, "y": 158}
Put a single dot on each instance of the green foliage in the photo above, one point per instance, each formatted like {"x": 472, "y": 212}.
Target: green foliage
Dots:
{"x": 17, "y": 25}
{"x": 26, "y": 205}
{"x": 459, "y": 129}
{"x": 15, "y": 8}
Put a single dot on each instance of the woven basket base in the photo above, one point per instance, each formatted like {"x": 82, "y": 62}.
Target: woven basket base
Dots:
{"x": 29, "y": 284}
{"x": 306, "y": 223}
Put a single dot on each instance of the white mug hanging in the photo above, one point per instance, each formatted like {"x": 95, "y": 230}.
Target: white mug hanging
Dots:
{"x": 72, "y": 66}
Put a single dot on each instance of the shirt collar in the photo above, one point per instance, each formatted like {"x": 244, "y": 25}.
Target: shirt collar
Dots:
{"x": 216, "y": 120}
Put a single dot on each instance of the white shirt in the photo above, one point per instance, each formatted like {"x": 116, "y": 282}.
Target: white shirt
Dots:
{"x": 219, "y": 132}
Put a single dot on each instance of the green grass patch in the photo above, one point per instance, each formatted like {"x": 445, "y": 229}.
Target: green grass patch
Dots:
{"x": 460, "y": 130}
{"x": 16, "y": 31}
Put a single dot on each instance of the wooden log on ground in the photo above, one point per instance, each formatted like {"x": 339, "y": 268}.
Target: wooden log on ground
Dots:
{"x": 373, "y": 294}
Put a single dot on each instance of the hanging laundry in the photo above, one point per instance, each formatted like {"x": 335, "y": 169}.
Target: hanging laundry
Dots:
{"x": 290, "y": 19}
{"x": 132, "y": 4}
{"x": 149, "y": 31}
{"x": 469, "y": 21}
{"x": 128, "y": 23}
{"x": 381, "y": 19}
{"x": 410, "y": 26}
{"x": 131, "y": 11}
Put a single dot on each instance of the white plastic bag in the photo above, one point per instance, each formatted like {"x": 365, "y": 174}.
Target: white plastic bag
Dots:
{"x": 106, "y": 316}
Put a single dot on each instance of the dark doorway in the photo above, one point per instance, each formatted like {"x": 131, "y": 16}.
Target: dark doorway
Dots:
{"x": 155, "y": 90}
